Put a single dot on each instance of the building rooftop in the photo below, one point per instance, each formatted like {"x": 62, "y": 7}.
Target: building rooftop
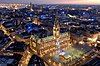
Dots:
{"x": 93, "y": 62}
{"x": 10, "y": 60}
{"x": 17, "y": 47}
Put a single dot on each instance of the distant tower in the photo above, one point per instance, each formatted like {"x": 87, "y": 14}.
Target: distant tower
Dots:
{"x": 56, "y": 29}
{"x": 31, "y": 7}
{"x": 56, "y": 34}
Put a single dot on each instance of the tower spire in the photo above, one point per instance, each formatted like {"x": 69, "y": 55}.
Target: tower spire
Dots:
{"x": 56, "y": 18}
{"x": 56, "y": 28}
{"x": 31, "y": 6}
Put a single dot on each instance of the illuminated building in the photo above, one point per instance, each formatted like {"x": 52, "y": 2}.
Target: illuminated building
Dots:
{"x": 56, "y": 29}
{"x": 36, "y": 20}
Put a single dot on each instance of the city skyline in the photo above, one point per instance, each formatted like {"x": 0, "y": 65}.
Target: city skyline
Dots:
{"x": 87, "y": 2}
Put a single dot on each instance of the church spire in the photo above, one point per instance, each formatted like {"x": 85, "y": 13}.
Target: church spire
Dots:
{"x": 31, "y": 7}
{"x": 56, "y": 28}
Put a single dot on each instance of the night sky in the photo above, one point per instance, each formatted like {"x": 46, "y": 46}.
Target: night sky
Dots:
{"x": 53, "y": 1}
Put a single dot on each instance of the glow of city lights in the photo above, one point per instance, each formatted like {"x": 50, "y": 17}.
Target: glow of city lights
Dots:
{"x": 95, "y": 45}
{"x": 92, "y": 39}
{"x": 71, "y": 16}
{"x": 98, "y": 41}
{"x": 81, "y": 42}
